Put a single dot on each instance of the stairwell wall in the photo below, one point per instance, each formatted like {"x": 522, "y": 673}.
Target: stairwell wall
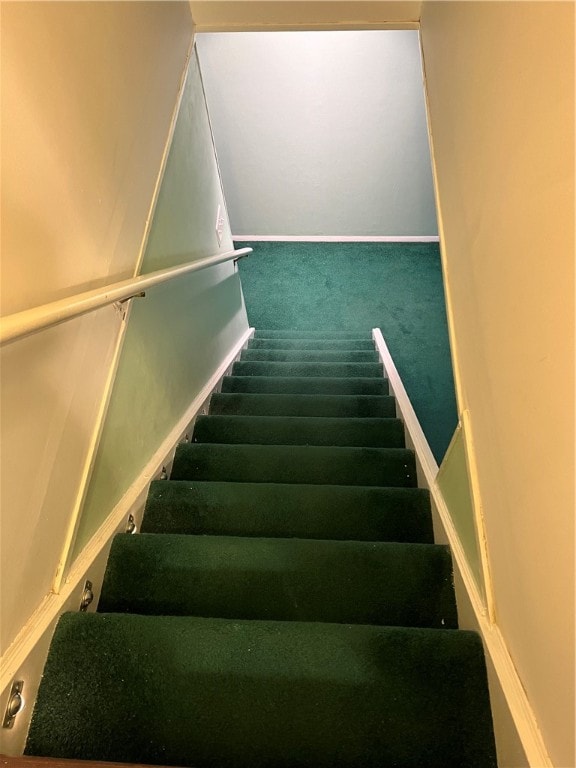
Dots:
{"x": 321, "y": 133}
{"x": 88, "y": 92}
{"x": 90, "y": 95}
{"x": 180, "y": 333}
{"x": 500, "y": 86}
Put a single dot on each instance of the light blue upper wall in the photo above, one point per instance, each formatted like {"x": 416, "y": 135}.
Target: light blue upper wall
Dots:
{"x": 320, "y": 133}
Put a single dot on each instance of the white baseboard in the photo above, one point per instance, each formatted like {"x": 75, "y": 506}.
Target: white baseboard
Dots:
{"x": 26, "y": 656}
{"x": 336, "y": 238}
{"x": 504, "y": 681}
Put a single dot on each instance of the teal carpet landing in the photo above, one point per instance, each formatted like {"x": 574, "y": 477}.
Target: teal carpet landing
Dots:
{"x": 285, "y": 605}
{"x": 396, "y": 287}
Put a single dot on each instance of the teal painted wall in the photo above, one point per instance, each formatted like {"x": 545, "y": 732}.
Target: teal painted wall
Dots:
{"x": 321, "y": 133}
{"x": 180, "y": 333}
{"x": 454, "y": 483}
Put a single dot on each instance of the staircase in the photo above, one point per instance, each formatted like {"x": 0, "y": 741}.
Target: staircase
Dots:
{"x": 285, "y": 605}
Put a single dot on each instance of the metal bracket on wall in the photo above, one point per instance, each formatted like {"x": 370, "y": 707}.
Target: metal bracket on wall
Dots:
{"x": 87, "y": 596}
{"x": 15, "y": 704}
{"x": 122, "y": 306}
{"x": 131, "y": 526}
{"x": 237, "y": 259}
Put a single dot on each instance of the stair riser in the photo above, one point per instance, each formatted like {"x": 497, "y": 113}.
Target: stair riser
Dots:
{"x": 312, "y": 385}
{"x": 303, "y": 511}
{"x": 309, "y": 356}
{"x": 406, "y": 585}
{"x": 209, "y": 692}
{"x": 279, "y": 430}
{"x": 249, "y": 404}
{"x": 255, "y": 368}
{"x": 341, "y": 344}
{"x": 295, "y": 464}
{"x": 267, "y": 334}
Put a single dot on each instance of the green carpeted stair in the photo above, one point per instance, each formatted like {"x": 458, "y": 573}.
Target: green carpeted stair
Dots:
{"x": 290, "y": 404}
{"x": 278, "y": 509}
{"x": 285, "y": 605}
{"x": 296, "y": 464}
{"x": 258, "y": 578}
{"x": 397, "y": 287}
{"x": 305, "y": 385}
{"x": 305, "y": 368}
{"x": 290, "y": 430}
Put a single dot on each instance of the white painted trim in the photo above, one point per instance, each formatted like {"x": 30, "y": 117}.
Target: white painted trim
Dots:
{"x": 164, "y": 160}
{"x": 478, "y": 510}
{"x": 494, "y": 643}
{"x": 407, "y": 413}
{"x": 90, "y": 458}
{"x": 222, "y": 195}
{"x": 335, "y": 238}
{"x": 44, "y": 618}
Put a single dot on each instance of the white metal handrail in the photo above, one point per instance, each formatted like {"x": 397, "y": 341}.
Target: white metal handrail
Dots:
{"x": 21, "y": 324}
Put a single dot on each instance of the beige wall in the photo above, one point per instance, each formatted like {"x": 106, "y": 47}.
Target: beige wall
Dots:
{"x": 83, "y": 135}
{"x": 500, "y": 83}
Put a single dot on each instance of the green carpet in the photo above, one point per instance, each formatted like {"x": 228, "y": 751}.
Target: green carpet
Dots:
{"x": 311, "y": 355}
{"x": 359, "y": 286}
{"x": 295, "y": 464}
{"x": 306, "y": 385}
{"x": 275, "y": 509}
{"x": 256, "y": 694}
{"x": 307, "y": 344}
{"x": 292, "y": 430}
{"x": 305, "y": 368}
{"x": 354, "y": 582}
{"x": 341, "y": 406}
{"x": 285, "y": 605}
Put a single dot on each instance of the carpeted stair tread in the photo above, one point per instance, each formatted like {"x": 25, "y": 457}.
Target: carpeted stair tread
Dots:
{"x": 348, "y": 582}
{"x": 285, "y": 605}
{"x": 260, "y": 694}
{"x": 310, "y": 355}
{"x": 306, "y": 385}
{"x": 284, "y": 343}
{"x": 261, "y": 368}
{"x": 265, "y": 404}
{"x": 337, "y": 512}
{"x": 299, "y": 430}
{"x": 295, "y": 464}
{"x": 319, "y": 334}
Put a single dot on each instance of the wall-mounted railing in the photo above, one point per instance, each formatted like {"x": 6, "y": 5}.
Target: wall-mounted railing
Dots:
{"x": 22, "y": 324}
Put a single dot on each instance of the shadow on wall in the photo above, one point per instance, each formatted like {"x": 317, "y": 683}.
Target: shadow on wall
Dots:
{"x": 359, "y": 286}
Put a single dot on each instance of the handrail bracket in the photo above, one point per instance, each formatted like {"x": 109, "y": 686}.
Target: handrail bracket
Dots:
{"x": 121, "y": 306}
